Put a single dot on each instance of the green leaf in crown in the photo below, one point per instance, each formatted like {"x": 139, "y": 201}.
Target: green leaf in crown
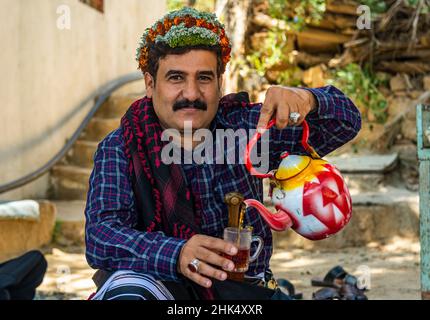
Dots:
{"x": 180, "y": 35}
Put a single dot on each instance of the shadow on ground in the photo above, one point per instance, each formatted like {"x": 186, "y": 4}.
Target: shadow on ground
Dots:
{"x": 394, "y": 269}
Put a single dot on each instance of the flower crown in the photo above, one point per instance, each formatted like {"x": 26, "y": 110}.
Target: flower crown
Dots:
{"x": 181, "y": 28}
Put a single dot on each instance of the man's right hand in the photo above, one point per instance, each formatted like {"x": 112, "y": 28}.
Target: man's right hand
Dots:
{"x": 206, "y": 249}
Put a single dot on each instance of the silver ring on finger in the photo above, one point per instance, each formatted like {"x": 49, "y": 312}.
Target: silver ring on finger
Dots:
{"x": 194, "y": 265}
{"x": 294, "y": 116}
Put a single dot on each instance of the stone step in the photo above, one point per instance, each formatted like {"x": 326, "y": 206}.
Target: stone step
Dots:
{"x": 82, "y": 153}
{"x": 349, "y": 163}
{"x": 378, "y": 217}
{"x": 18, "y": 236}
{"x": 359, "y": 182}
{"x": 116, "y": 106}
{"x": 362, "y": 173}
{"x": 98, "y": 128}
{"x": 70, "y": 222}
{"x": 70, "y": 182}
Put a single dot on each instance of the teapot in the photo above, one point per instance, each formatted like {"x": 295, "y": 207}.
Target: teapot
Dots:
{"x": 309, "y": 194}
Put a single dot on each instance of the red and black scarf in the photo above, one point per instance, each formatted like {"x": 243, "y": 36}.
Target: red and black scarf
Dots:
{"x": 164, "y": 203}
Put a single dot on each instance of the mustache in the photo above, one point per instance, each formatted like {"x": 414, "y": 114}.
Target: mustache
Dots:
{"x": 185, "y": 103}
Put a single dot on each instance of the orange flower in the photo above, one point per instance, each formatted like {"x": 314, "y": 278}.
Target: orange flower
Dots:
{"x": 224, "y": 42}
{"x": 210, "y": 27}
{"x": 143, "y": 58}
{"x": 199, "y": 22}
{"x": 151, "y": 35}
{"x": 205, "y": 24}
{"x": 160, "y": 28}
{"x": 167, "y": 24}
{"x": 190, "y": 21}
{"x": 177, "y": 20}
{"x": 225, "y": 58}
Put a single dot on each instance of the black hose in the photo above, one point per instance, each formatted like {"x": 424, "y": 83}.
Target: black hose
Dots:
{"x": 102, "y": 95}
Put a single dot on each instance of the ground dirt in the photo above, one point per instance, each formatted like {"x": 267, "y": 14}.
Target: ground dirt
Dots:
{"x": 393, "y": 270}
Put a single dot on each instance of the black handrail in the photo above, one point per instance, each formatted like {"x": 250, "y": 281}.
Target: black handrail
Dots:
{"x": 102, "y": 95}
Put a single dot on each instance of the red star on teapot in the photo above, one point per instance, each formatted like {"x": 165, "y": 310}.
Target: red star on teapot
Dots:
{"x": 309, "y": 194}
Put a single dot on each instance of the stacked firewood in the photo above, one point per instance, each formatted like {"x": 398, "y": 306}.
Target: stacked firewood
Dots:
{"x": 397, "y": 42}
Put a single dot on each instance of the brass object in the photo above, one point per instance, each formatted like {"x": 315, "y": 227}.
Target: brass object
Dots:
{"x": 236, "y": 208}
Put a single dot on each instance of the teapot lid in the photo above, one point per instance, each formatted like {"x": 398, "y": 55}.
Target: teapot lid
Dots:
{"x": 290, "y": 166}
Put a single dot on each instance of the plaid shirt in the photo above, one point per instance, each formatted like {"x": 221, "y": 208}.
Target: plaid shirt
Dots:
{"x": 112, "y": 243}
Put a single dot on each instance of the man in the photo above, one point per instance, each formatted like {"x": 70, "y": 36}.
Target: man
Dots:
{"x": 151, "y": 225}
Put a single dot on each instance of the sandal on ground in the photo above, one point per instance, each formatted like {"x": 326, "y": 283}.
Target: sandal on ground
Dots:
{"x": 338, "y": 284}
{"x": 326, "y": 294}
{"x": 285, "y": 284}
{"x": 335, "y": 278}
{"x": 348, "y": 292}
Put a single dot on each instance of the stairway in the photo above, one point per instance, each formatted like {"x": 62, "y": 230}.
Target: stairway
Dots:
{"x": 70, "y": 178}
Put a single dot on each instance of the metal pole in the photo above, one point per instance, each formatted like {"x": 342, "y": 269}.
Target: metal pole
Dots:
{"x": 423, "y": 147}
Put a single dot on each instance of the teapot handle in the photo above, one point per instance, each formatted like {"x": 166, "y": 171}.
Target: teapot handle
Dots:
{"x": 257, "y": 136}
{"x": 305, "y": 137}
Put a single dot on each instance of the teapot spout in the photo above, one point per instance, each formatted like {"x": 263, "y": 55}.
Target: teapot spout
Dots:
{"x": 278, "y": 221}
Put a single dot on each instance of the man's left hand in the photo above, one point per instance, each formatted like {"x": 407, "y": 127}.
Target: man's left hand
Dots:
{"x": 281, "y": 101}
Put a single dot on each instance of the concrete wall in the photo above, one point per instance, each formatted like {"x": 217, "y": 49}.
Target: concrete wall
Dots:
{"x": 46, "y": 72}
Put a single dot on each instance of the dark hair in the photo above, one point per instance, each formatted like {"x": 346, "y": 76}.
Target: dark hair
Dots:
{"x": 160, "y": 50}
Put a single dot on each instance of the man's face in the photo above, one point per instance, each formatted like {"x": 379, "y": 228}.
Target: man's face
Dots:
{"x": 186, "y": 89}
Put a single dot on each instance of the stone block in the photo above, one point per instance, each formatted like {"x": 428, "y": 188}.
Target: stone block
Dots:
{"x": 19, "y": 236}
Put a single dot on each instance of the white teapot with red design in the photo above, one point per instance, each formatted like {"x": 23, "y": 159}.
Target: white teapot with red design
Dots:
{"x": 309, "y": 194}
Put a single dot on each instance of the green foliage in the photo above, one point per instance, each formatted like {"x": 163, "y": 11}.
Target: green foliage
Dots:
{"x": 202, "y": 5}
{"x": 414, "y": 3}
{"x": 56, "y": 233}
{"x": 270, "y": 54}
{"x": 175, "y": 4}
{"x": 274, "y": 50}
{"x": 305, "y": 11}
{"x": 362, "y": 86}
{"x": 376, "y": 6}
{"x": 289, "y": 77}
{"x": 182, "y": 36}
{"x": 425, "y": 9}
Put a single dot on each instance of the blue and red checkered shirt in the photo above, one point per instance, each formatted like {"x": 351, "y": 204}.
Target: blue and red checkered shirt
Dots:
{"x": 113, "y": 243}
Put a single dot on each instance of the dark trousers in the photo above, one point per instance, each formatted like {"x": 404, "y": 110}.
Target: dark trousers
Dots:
{"x": 20, "y": 277}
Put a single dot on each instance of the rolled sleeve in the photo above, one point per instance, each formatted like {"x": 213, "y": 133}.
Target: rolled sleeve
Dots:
{"x": 333, "y": 104}
{"x": 335, "y": 121}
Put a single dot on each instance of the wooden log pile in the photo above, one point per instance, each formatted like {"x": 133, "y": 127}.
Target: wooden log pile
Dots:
{"x": 398, "y": 41}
